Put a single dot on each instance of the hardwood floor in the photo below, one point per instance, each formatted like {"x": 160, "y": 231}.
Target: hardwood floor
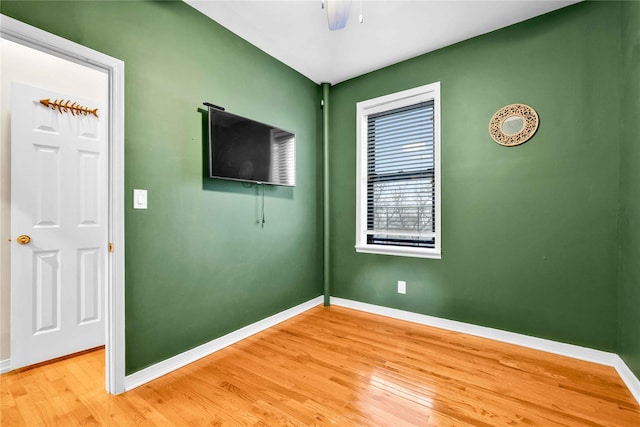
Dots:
{"x": 334, "y": 366}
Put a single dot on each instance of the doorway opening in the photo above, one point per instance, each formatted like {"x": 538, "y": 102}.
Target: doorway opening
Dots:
{"x": 22, "y": 36}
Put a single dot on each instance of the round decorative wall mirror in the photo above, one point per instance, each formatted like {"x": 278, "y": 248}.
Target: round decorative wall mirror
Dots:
{"x": 513, "y": 124}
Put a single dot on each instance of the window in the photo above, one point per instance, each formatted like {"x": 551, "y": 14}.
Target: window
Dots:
{"x": 398, "y": 173}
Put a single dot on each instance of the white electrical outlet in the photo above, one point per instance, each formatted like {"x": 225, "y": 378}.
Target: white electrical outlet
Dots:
{"x": 402, "y": 287}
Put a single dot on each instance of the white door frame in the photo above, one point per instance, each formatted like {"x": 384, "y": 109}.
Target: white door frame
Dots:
{"x": 35, "y": 38}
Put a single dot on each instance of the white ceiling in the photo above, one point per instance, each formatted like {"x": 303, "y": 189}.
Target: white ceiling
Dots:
{"x": 296, "y": 32}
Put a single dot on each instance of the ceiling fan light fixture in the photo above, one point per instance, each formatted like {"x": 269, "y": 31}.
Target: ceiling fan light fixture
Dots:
{"x": 337, "y": 13}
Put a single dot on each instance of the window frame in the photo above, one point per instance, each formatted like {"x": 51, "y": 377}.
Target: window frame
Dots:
{"x": 429, "y": 92}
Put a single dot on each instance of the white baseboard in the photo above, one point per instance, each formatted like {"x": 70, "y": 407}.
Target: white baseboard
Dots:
{"x": 5, "y": 366}
{"x": 632, "y": 382}
{"x": 570, "y": 350}
{"x": 563, "y": 349}
{"x": 162, "y": 368}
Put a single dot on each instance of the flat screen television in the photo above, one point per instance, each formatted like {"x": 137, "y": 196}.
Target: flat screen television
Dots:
{"x": 242, "y": 149}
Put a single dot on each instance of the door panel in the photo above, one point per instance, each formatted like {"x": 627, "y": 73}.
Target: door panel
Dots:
{"x": 58, "y": 198}
{"x": 89, "y": 181}
{"x": 89, "y": 285}
{"x": 46, "y": 292}
{"x": 47, "y": 185}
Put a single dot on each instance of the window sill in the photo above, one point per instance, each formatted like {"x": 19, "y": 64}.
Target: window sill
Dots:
{"x": 399, "y": 251}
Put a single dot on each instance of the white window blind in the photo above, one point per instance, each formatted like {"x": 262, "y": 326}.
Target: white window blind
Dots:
{"x": 400, "y": 176}
{"x": 398, "y": 189}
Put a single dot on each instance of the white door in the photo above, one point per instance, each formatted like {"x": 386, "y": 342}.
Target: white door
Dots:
{"x": 58, "y": 200}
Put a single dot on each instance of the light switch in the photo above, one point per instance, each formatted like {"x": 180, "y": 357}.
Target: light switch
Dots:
{"x": 139, "y": 199}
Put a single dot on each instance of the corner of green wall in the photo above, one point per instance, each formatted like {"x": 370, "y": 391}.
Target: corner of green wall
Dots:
{"x": 197, "y": 264}
{"x": 529, "y": 238}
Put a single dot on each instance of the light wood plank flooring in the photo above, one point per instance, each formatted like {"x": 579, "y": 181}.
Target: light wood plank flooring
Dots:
{"x": 334, "y": 366}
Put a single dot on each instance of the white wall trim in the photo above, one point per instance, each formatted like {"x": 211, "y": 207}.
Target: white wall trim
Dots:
{"x": 5, "y": 366}
{"x": 43, "y": 41}
{"x": 569, "y": 350}
{"x": 429, "y": 92}
{"x": 162, "y": 368}
{"x": 562, "y": 349}
{"x": 632, "y": 382}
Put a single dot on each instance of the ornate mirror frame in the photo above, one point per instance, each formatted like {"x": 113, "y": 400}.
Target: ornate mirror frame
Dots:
{"x": 524, "y": 130}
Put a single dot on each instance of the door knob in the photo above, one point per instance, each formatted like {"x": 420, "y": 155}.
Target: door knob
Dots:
{"x": 23, "y": 239}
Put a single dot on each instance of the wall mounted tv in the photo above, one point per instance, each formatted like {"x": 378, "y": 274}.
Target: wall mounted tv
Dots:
{"x": 242, "y": 149}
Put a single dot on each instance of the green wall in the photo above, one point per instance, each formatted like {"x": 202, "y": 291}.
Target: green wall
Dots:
{"x": 541, "y": 239}
{"x": 197, "y": 263}
{"x": 629, "y": 292}
{"x": 529, "y": 233}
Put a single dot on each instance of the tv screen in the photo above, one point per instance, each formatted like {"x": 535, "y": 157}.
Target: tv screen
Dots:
{"x": 242, "y": 149}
